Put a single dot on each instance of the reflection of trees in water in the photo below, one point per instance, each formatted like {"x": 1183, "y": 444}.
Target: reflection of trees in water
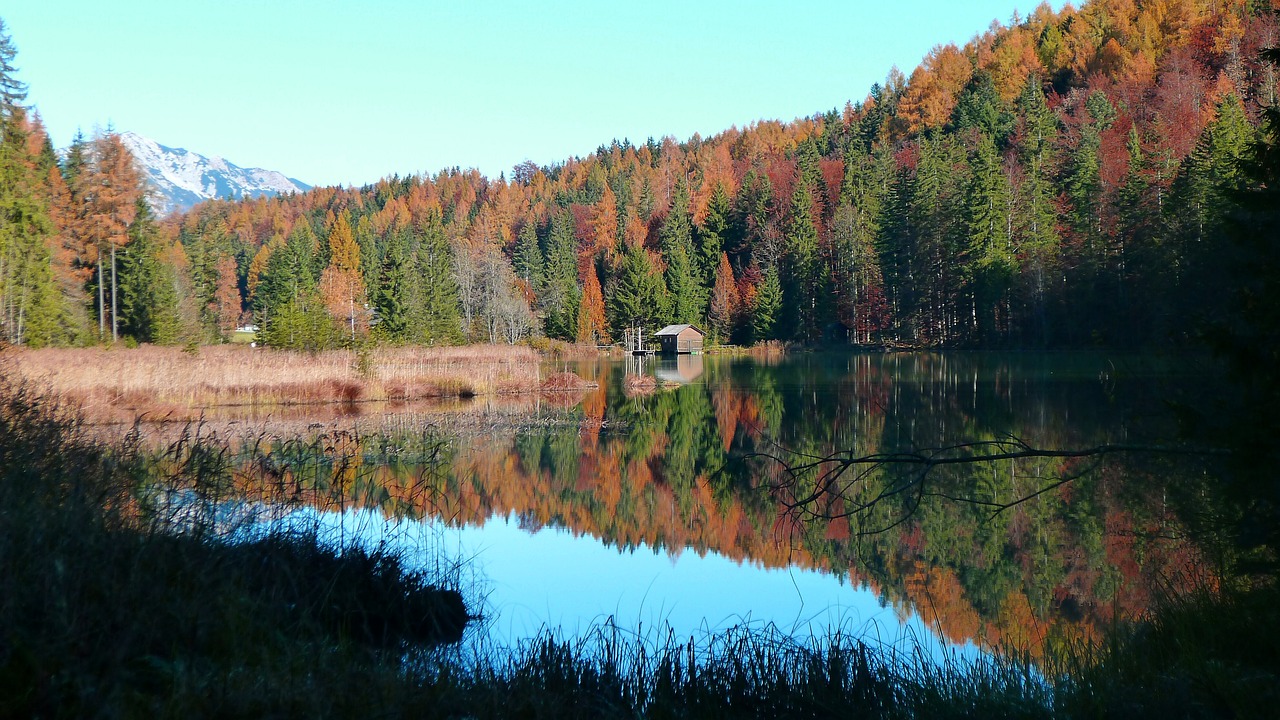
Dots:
{"x": 679, "y": 476}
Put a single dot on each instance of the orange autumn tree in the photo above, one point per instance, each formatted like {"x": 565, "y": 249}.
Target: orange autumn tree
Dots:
{"x": 934, "y": 89}
{"x": 591, "y": 322}
{"x": 724, "y": 301}
{"x": 225, "y": 306}
{"x": 341, "y": 286}
{"x": 604, "y": 224}
{"x": 108, "y": 189}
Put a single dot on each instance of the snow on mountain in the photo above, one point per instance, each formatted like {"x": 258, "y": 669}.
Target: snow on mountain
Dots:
{"x": 180, "y": 178}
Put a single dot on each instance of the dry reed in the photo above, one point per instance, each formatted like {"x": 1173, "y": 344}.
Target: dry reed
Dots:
{"x": 168, "y": 382}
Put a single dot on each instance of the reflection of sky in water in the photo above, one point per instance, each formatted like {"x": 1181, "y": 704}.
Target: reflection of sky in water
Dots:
{"x": 554, "y": 580}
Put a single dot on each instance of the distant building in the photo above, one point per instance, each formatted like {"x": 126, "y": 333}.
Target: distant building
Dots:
{"x": 680, "y": 340}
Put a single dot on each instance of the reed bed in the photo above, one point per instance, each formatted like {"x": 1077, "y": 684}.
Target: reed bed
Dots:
{"x": 171, "y": 383}
{"x": 125, "y": 591}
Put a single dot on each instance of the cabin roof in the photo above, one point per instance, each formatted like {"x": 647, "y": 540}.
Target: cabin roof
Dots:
{"x": 676, "y": 330}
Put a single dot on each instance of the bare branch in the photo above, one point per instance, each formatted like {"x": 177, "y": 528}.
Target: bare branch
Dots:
{"x": 829, "y": 471}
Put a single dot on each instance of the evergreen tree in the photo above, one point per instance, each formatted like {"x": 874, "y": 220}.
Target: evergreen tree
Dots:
{"x": 767, "y": 307}
{"x": 637, "y": 296}
{"x": 979, "y": 108}
{"x": 527, "y": 261}
{"x": 684, "y": 288}
{"x": 30, "y": 311}
{"x": 12, "y": 91}
{"x": 370, "y": 261}
{"x": 391, "y": 299}
{"x": 988, "y": 215}
{"x": 434, "y": 317}
{"x": 1200, "y": 203}
{"x": 559, "y": 292}
{"x": 803, "y": 279}
{"x": 1084, "y": 182}
{"x": 1035, "y": 225}
{"x": 140, "y": 277}
{"x": 713, "y": 234}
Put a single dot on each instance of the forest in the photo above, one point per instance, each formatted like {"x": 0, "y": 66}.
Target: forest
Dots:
{"x": 1062, "y": 181}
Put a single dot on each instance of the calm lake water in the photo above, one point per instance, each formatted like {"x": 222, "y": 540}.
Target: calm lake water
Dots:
{"x": 665, "y": 499}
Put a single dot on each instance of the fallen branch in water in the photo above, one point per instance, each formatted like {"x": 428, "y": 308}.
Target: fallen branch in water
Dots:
{"x": 839, "y": 474}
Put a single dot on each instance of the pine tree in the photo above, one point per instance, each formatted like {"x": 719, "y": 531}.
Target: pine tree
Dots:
{"x": 12, "y": 91}
{"x": 558, "y": 295}
{"x": 140, "y": 276}
{"x": 527, "y": 261}
{"x": 392, "y": 296}
{"x": 29, "y": 302}
{"x": 802, "y": 284}
{"x": 713, "y": 234}
{"x": 684, "y": 287}
{"x": 991, "y": 258}
{"x": 637, "y": 296}
{"x": 767, "y": 308}
{"x": 1035, "y": 225}
{"x": 434, "y": 312}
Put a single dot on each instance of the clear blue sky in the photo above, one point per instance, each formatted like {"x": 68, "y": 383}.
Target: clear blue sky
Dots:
{"x": 349, "y": 92}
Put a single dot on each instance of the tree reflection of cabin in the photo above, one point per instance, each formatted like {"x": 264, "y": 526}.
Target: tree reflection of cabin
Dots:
{"x": 680, "y": 340}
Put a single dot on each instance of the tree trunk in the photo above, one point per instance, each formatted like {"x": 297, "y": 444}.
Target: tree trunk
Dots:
{"x": 102, "y": 303}
{"x": 115, "y": 326}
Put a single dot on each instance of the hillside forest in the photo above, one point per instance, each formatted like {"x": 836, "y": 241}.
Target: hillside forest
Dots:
{"x": 1061, "y": 181}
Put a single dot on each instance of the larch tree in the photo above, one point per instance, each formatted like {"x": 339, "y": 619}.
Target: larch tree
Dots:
{"x": 341, "y": 284}
{"x": 592, "y": 329}
{"x": 723, "y": 314}
{"x": 108, "y": 189}
{"x": 225, "y": 308}
{"x": 604, "y": 224}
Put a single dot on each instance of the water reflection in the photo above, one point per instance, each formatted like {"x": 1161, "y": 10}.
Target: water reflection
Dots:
{"x": 654, "y": 501}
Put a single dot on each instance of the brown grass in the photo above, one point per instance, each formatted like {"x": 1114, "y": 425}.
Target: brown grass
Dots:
{"x": 167, "y": 382}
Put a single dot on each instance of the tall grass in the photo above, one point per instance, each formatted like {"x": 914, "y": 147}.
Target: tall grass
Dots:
{"x": 120, "y": 383}
{"x": 121, "y": 593}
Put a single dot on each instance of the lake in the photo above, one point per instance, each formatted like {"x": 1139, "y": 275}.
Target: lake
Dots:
{"x": 690, "y": 495}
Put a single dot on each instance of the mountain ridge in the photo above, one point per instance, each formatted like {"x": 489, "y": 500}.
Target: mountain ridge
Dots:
{"x": 179, "y": 178}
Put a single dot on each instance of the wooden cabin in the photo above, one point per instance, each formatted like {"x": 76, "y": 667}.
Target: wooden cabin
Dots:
{"x": 680, "y": 340}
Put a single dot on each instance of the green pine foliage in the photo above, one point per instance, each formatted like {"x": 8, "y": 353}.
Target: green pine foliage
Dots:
{"x": 433, "y": 312}
{"x": 1060, "y": 182}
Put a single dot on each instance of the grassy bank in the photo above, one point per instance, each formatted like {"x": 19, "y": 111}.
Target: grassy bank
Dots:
{"x": 122, "y": 594}
{"x": 164, "y": 382}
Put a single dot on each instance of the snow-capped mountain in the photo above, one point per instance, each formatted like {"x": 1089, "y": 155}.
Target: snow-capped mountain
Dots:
{"x": 180, "y": 178}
